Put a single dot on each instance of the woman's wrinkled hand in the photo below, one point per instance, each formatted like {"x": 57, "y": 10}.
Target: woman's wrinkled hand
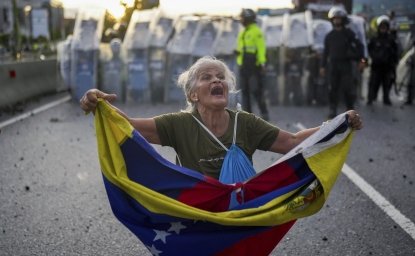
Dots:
{"x": 89, "y": 101}
{"x": 355, "y": 120}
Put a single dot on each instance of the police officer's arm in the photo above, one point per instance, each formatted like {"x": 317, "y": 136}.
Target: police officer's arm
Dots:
{"x": 324, "y": 57}
{"x": 261, "y": 49}
{"x": 354, "y": 39}
{"x": 146, "y": 126}
{"x": 395, "y": 50}
{"x": 239, "y": 44}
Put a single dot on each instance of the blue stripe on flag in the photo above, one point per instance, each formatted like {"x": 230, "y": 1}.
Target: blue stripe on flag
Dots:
{"x": 148, "y": 171}
{"x": 174, "y": 236}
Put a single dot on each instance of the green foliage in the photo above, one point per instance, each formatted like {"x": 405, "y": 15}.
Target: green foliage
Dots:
{"x": 109, "y": 22}
{"x": 4, "y": 40}
{"x": 114, "y": 28}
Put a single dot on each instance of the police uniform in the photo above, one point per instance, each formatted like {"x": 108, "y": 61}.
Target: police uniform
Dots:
{"x": 338, "y": 59}
{"x": 341, "y": 49}
{"x": 251, "y": 59}
{"x": 383, "y": 52}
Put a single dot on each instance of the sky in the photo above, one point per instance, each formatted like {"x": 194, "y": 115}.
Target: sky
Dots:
{"x": 184, "y": 6}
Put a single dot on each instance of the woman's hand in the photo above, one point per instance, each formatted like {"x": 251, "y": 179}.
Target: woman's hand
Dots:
{"x": 89, "y": 101}
{"x": 354, "y": 120}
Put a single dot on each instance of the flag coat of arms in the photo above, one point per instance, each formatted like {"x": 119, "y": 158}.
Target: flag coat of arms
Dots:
{"x": 177, "y": 211}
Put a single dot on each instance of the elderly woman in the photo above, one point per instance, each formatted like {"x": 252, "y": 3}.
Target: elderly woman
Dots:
{"x": 202, "y": 134}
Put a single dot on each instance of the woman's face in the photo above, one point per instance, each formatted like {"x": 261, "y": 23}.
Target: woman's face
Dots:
{"x": 211, "y": 89}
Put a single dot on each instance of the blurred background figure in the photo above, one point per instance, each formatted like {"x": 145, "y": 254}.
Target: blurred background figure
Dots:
{"x": 113, "y": 69}
{"x": 341, "y": 49}
{"x": 316, "y": 83}
{"x": 64, "y": 61}
{"x": 251, "y": 60}
{"x": 393, "y": 25}
{"x": 297, "y": 41}
{"x": 293, "y": 69}
{"x": 411, "y": 82}
{"x": 383, "y": 52}
{"x": 85, "y": 51}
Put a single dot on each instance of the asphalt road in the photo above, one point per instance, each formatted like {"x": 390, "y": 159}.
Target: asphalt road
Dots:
{"x": 53, "y": 202}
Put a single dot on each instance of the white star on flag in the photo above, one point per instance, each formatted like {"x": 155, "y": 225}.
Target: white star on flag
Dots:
{"x": 176, "y": 227}
{"x": 153, "y": 250}
{"x": 161, "y": 235}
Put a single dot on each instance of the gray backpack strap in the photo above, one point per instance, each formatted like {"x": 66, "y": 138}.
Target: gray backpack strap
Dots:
{"x": 211, "y": 134}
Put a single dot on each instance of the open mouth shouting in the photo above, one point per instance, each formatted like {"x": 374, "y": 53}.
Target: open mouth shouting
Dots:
{"x": 217, "y": 90}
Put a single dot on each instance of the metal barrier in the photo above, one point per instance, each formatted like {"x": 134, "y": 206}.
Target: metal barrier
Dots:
{"x": 21, "y": 81}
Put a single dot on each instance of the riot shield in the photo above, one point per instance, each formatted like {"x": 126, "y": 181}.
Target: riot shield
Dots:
{"x": 85, "y": 51}
{"x": 112, "y": 69}
{"x": 205, "y": 38}
{"x": 317, "y": 93}
{"x": 357, "y": 25}
{"x": 297, "y": 40}
{"x": 272, "y": 27}
{"x": 135, "y": 47}
{"x": 161, "y": 30}
{"x": 179, "y": 51}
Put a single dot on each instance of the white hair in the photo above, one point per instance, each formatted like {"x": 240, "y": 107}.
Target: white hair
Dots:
{"x": 187, "y": 80}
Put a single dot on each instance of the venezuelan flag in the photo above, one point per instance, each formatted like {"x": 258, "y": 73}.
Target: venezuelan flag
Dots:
{"x": 177, "y": 211}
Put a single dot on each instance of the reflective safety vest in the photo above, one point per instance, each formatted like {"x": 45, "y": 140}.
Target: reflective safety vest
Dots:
{"x": 251, "y": 41}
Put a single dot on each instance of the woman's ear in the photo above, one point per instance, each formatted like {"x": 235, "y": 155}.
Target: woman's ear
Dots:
{"x": 193, "y": 97}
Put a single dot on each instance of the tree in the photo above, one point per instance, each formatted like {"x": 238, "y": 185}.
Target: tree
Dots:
{"x": 114, "y": 28}
{"x": 16, "y": 44}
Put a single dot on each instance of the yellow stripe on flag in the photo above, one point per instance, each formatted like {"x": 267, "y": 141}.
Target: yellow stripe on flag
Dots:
{"x": 327, "y": 164}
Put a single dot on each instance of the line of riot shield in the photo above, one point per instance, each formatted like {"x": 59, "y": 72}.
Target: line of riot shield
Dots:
{"x": 205, "y": 38}
{"x": 357, "y": 25}
{"x": 272, "y": 27}
{"x": 225, "y": 50}
{"x": 112, "y": 69}
{"x": 161, "y": 30}
{"x": 179, "y": 51}
{"x": 85, "y": 51}
{"x": 317, "y": 85}
{"x": 135, "y": 47}
{"x": 297, "y": 40}
{"x": 64, "y": 63}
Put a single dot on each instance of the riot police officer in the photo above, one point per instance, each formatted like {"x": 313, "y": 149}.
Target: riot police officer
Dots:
{"x": 251, "y": 59}
{"x": 341, "y": 48}
{"x": 383, "y": 53}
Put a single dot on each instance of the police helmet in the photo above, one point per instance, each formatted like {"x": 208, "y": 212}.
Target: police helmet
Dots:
{"x": 115, "y": 45}
{"x": 383, "y": 19}
{"x": 336, "y": 12}
{"x": 248, "y": 15}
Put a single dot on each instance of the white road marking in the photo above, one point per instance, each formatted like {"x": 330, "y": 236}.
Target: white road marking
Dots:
{"x": 405, "y": 223}
{"x": 34, "y": 111}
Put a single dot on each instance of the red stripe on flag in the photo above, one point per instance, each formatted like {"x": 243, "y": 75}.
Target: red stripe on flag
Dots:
{"x": 206, "y": 196}
{"x": 260, "y": 244}
{"x": 275, "y": 177}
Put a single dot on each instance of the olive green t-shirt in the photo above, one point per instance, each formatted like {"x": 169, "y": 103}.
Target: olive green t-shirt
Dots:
{"x": 197, "y": 150}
